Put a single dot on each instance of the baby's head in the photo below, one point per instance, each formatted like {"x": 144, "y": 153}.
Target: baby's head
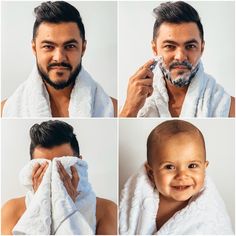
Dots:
{"x": 176, "y": 159}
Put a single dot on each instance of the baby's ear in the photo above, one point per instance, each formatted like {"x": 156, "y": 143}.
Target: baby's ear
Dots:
{"x": 150, "y": 173}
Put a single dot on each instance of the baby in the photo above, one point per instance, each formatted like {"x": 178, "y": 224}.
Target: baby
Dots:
{"x": 171, "y": 194}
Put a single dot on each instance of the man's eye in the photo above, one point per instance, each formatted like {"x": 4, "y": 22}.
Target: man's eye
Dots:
{"x": 191, "y": 46}
{"x": 170, "y": 167}
{"x": 169, "y": 46}
{"x": 69, "y": 46}
{"x": 48, "y": 46}
{"x": 193, "y": 165}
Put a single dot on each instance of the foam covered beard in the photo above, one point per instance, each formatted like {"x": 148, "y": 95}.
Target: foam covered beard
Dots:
{"x": 183, "y": 78}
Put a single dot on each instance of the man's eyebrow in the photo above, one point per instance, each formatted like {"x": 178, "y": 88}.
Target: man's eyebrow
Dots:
{"x": 48, "y": 42}
{"x": 170, "y": 41}
{"x": 71, "y": 41}
{"x": 191, "y": 41}
{"x": 53, "y": 43}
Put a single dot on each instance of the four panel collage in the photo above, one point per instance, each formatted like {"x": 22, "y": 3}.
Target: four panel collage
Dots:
{"x": 118, "y": 117}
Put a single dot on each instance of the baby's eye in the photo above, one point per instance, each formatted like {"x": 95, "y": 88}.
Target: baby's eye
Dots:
{"x": 193, "y": 165}
{"x": 169, "y": 167}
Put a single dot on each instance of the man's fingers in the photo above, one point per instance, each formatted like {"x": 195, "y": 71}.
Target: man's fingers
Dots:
{"x": 63, "y": 174}
{"x": 35, "y": 168}
{"x": 148, "y": 64}
{"x": 75, "y": 176}
{"x": 43, "y": 172}
{"x": 39, "y": 171}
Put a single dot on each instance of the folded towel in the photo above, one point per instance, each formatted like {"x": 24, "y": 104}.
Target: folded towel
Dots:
{"x": 204, "y": 98}
{"x": 50, "y": 210}
{"x": 31, "y": 99}
{"x": 204, "y": 214}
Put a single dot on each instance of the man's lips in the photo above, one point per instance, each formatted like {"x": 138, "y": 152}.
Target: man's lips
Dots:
{"x": 179, "y": 68}
{"x": 59, "y": 68}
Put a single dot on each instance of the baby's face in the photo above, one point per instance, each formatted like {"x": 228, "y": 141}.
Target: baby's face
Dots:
{"x": 179, "y": 166}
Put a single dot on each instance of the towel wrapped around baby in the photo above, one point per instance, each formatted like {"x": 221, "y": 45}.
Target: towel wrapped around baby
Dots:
{"x": 204, "y": 214}
{"x": 50, "y": 210}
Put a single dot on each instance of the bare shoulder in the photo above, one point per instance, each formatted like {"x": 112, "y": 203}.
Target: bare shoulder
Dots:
{"x": 11, "y": 212}
{"x": 106, "y": 214}
{"x": 2, "y": 105}
{"x": 232, "y": 107}
{"x": 114, "y": 102}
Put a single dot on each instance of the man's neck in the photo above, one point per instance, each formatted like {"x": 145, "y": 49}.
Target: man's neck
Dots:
{"x": 167, "y": 208}
{"x": 176, "y": 98}
{"x": 59, "y": 100}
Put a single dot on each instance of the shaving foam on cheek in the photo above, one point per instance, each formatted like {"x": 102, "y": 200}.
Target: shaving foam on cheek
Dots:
{"x": 184, "y": 78}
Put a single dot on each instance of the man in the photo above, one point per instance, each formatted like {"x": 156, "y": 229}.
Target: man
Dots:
{"x": 49, "y": 140}
{"x": 180, "y": 86}
{"x": 60, "y": 86}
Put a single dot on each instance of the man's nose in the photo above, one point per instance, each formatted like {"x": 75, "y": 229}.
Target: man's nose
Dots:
{"x": 181, "y": 55}
{"x": 59, "y": 55}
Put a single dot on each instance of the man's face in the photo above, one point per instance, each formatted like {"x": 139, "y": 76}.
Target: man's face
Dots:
{"x": 58, "y": 49}
{"x": 50, "y": 153}
{"x": 181, "y": 47}
{"x": 178, "y": 168}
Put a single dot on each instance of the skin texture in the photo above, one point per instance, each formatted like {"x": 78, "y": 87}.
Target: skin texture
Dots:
{"x": 177, "y": 171}
{"x": 172, "y": 46}
{"x": 57, "y": 43}
{"x": 106, "y": 211}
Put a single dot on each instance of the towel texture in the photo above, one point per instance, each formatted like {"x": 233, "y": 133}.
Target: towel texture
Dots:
{"x": 31, "y": 99}
{"x": 204, "y": 214}
{"x": 50, "y": 210}
{"x": 204, "y": 98}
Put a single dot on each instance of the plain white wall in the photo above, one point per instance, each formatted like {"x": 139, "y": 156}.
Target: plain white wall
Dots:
{"x": 135, "y": 26}
{"x": 98, "y": 146}
{"x": 220, "y": 140}
{"x": 100, "y": 59}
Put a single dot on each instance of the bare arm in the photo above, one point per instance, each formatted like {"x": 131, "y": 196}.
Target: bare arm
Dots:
{"x": 106, "y": 217}
{"x": 2, "y": 105}
{"x": 11, "y": 213}
{"x": 232, "y": 107}
{"x": 114, "y": 102}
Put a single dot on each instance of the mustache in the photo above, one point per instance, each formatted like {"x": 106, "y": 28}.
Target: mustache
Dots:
{"x": 62, "y": 64}
{"x": 186, "y": 64}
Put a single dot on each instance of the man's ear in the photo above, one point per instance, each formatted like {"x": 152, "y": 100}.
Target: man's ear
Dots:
{"x": 33, "y": 45}
{"x": 202, "y": 47}
{"x": 154, "y": 48}
{"x": 206, "y": 164}
{"x": 84, "y": 47}
{"x": 150, "y": 173}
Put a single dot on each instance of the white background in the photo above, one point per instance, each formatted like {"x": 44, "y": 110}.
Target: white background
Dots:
{"x": 135, "y": 35}
{"x": 219, "y": 139}
{"x": 98, "y": 145}
{"x": 100, "y": 59}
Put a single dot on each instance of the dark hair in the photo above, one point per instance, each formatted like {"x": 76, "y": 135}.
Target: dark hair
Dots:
{"x": 57, "y": 12}
{"x": 169, "y": 128}
{"x": 176, "y": 12}
{"x": 53, "y": 133}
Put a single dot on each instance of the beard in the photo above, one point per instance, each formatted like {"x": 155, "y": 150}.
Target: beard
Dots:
{"x": 61, "y": 84}
{"x": 183, "y": 77}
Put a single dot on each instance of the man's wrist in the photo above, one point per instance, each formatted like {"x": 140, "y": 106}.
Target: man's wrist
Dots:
{"x": 128, "y": 112}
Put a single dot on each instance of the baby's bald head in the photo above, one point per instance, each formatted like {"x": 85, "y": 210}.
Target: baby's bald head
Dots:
{"x": 168, "y": 129}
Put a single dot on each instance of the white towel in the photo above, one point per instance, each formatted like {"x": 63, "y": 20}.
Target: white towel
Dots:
{"x": 31, "y": 99}
{"x": 204, "y": 98}
{"x": 50, "y": 210}
{"x": 204, "y": 214}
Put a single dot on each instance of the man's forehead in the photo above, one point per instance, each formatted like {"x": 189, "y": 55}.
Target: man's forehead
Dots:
{"x": 180, "y": 33}
{"x": 60, "y": 32}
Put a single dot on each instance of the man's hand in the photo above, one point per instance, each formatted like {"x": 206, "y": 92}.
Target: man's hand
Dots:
{"x": 139, "y": 88}
{"x": 38, "y": 173}
{"x": 70, "y": 184}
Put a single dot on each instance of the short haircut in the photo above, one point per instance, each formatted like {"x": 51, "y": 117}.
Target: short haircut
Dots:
{"x": 176, "y": 13}
{"x": 53, "y": 133}
{"x": 169, "y": 128}
{"x": 57, "y": 12}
